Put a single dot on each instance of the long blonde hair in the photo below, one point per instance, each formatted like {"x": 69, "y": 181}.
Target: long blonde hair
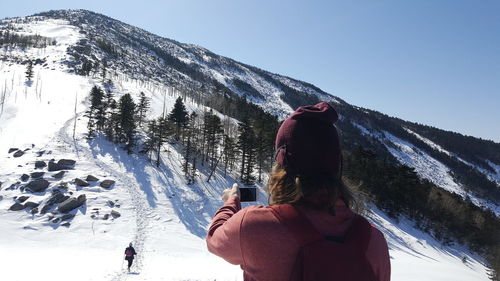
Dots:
{"x": 319, "y": 192}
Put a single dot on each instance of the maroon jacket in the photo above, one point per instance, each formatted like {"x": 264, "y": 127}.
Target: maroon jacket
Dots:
{"x": 263, "y": 247}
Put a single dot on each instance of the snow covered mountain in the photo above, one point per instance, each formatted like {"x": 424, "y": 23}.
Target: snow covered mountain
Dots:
{"x": 157, "y": 210}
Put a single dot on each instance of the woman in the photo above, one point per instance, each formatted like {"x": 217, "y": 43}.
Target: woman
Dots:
{"x": 309, "y": 231}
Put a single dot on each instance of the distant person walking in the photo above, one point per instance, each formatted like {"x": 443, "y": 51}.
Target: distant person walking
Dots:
{"x": 308, "y": 231}
{"x": 129, "y": 255}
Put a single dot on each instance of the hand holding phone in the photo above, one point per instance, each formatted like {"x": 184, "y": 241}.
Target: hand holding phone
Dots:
{"x": 228, "y": 192}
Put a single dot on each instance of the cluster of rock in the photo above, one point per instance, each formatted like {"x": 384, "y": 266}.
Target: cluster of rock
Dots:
{"x": 58, "y": 204}
{"x": 114, "y": 214}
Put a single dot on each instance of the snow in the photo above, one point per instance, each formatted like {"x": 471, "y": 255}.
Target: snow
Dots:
{"x": 161, "y": 215}
{"x": 425, "y": 165}
{"x": 495, "y": 177}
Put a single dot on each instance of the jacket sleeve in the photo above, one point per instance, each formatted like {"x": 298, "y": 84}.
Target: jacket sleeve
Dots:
{"x": 223, "y": 238}
{"x": 378, "y": 255}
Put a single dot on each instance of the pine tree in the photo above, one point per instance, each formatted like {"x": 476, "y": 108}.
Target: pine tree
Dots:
{"x": 189, "y": 148}
{"x": 111, "y": 115}
{"x": 29, "y": 71}
{"x": 100, "y": 106}
{"x": 126, "y": 108}
{"x": 246, "y": 145}
{"x": 142, "y": 108}
{"x": 96, "y": 104}
{"x": 228, "y": 152}
{"x": 212, "y": 130}
{"x": 179, "y": 116}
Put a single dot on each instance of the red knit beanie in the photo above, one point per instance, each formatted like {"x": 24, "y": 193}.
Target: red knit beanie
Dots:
{"x": 308, "y": 144}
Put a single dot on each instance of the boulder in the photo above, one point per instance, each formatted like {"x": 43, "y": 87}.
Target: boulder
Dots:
{"x": 45, "y": 209}
{"x": 82, "y": 199}
{"x": 71, "y": 203}
{"x": 37, "y": 185}
{"x": 56, "y": 197}
{"x": 66, "y": 224}
{"x": 111, "y": 203}
{"x": 25, "y": 177}
{"x": 30, "y": 204}
{"x": 58, "y": 175}
{"x": 66, "y": 162}
{"x": 91, "y": 178}
{"x": 55, "y": 167}
{"x": 13, "y": 149}
{"x": 105, "y": 217}
{"x": 107, "y": 183}
{"x": 40, "y": 153}
{"x": 1, "y": 197}
{"x": 35, "y": 175}
{"x": 16, "y": 207}
{"x": 56, "y": 220}
{"x": 115, "y": 214}
{"x": 80, "y": 182}
{"x": 21, "y": 199}
{"x": 67, "y": 217}
{"x": 40, "y": 164}
{"x": 34, "y": 211}
{"x": 18, "y": 153}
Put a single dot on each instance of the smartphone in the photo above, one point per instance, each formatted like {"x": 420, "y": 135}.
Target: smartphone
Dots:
{"x": 248, "y": 194}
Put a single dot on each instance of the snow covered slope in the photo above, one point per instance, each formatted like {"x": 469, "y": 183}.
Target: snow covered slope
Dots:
{"x": 164, "y": 218}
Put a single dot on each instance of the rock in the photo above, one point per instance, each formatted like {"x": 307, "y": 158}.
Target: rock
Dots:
{"x": 34, "y": 211}
{"x": 115, "y": 214}
{"x": 35, "y": 175}
{"x": 1, "y": 197}
{"x": 66, "y": 162}
{"x": 66, "y": 224}
{"x": 56, "y": 195}
{"x": 37, "y": 185}
{"x": 18, "y": 153}
{"x": 25, "y": 177}
{"x": 105, "y": 217}
{"x": 50, "y": 217}
{"x": 71, "y": 203}
{"x": 13, "y": 149}
{"x": 58, "y": 175}
{"x": 80, "y": 182}
{"x": 16, "y": 207}
{"x": 67, "y": 217}
{"x": 56, "y": 220}
{"x": 55, "y": 167}
{"x": 40, "y": 164}
{"x": 82, "y": 199}
{"x": 40, "y": 153}
{"x": 30, "y": 204}
{"x": 92, "y": 216}
{"x": 45, "y": 209}
{"x": 21, "y": 199}
{"x": 91, "y": 178}
{"x": 111, "y": 203}
{"x": 107, "y": 183}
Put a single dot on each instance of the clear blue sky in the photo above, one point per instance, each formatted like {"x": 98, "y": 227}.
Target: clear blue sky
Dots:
{"x": 435, "y": 62}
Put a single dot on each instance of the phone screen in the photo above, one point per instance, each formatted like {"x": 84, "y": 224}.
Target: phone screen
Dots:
{"x": 248, "y": 194}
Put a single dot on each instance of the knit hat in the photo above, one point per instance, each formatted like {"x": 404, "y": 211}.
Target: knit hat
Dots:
{"x": 308, "y": 144}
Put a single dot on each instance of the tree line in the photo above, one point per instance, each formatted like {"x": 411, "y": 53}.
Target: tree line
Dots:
{"x": 204, "y": 138}
{"x": 398, "y": 191}
{"x": 12, "y": 39}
